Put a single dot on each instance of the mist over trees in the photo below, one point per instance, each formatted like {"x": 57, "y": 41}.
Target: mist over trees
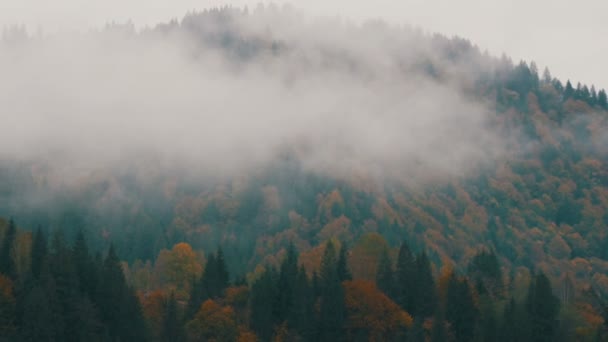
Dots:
{"x": 264, "y": 175}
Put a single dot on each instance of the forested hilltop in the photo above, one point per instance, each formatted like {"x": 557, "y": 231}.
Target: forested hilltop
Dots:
{"x": 439, "y": 193}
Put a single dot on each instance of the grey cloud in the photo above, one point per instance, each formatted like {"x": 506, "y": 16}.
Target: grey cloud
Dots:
{"x": 342, "y": 98}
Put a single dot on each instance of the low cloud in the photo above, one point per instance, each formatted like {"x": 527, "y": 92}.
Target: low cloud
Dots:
{"x": 228, "y": 96}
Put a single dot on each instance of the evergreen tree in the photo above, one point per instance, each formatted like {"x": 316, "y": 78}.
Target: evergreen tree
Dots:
{"x": 287, "y": 280}
{"x": 332, "y": 307}
{"x": 171, "y": 327}
{"x": 602, "y": 99}
{"x": 343, "y": 270}
{"x": 38, "y": 253}
{"x": 425, "y": 295}
{"x": 593, "y": 100}
{"x": 568, "y": 91}
{"x": 508, "y": 329}
{"x": 461, "y": 312}
{"x": 405, "y": 278}
{"x": 261, "y": 314}
{"x": 7, "y": 264}
{"x": 542, "y": 307}
{"x": 301, "y": 317}
{"x": 385, "y": 275}
{"x": 85, "y": 268}
{"x": 119, "y": 307}
{"x": 39, "y": 323}
{"x": 547, "y": 78}
{"x": 65, "y": 283}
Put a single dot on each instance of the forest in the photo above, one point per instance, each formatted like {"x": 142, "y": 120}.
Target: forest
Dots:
{"x": 497, "y": 234}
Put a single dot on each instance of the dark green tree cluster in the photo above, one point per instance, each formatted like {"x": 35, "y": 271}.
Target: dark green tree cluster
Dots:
{"x": 410, "y": 284}
{"x": 211, "y": 284}
{"x": 310, "y": 309}
{"x": 67, "y": 295}
{"x": 468, "y": 311}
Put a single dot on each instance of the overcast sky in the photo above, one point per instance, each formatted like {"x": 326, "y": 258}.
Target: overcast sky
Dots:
{"x": 567, "y": 36}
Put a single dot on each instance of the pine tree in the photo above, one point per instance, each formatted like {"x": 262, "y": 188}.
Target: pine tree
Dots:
{"x": 425, "y": 296}
{"x": 332, "y": 307}
{"x": 547, "y": 78}
{"x": 85, "y": 268}
{"x": 171, "y": 327}
{"x": 119, "y": 307}
{"x": 602, "y": 99}
{"x": 568, "y": 91}
{"x": 38, "y": 253}
{"x": 300, "y": 316}
{"x": 508, "y": 328}
{"x": 7, "y": 264}
{"x": 385, "y": 275}
{"x": 287, "y": 280}
{"x": 543, "y": 307}
{"x": 461, "y": 312}
{"x": 343, "y": 271}
{"x": 261, "y": 315}
{"x": 405, "y": 279}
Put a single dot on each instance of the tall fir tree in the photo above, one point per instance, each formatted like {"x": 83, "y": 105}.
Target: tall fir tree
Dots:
{"x": 542, "y": 307}
{"x": 38, "y": 253}
{"x": 385, "y": 275}
{"x": 301, "y": 314}
{"x": 343, "y": 270}
{"x": 405, "y": 279}
{"x": 425, "y": 294}
{"x": 332, "y": 307}
{"x": 261, "y": 313}
{"x": 460, "y": 310}
{"x": 7, "y": 263}
{"x": 288, "y": 274}
{"x": 171, "y": 329}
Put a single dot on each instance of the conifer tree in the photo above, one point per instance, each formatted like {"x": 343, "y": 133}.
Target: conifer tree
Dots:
{"x": 425, "y": 296}
{"x": 287, "y": 280}
{"x": 38, "y": 253}
{"x": 343, "y": 270}
{"x": 461, "y": 312}
{"x": 405, "y": 279}
{"x": 171, "y": 326}
{"x": 385, "y": 275}
{"x": 261, "y": 313}
{"x": 7, "y": 264}
{"x": 332, "y": 308}
{"x": 542, "y": 307}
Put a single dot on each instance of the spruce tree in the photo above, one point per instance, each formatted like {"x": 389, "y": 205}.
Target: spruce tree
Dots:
{"x": 343, "y": 270}
{"x": 7, "y": 264}
{"x": 405, "y": 279}
{"x": 543, "y": 307}
{"x": 602, "y": 99}
{"x": 38, "y": 253}
{"x": 261, "y": 314}
{"x": 461, "y": 312}
{"x": 384, "y": 275}
{"x": 425, "y": 295}
{"x": 301, "y": 318}
{"x": 287, "y": 280}
{"x": 332, "y": 307}
{"x": 171, "y": 326}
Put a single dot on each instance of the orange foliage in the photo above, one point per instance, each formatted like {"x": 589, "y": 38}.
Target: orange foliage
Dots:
{"x": 178, "y": 267}
{"x": 365, "y": 255}
{"x": 153, "y": 306}
{"x": 368, "y": 309}
{"x": 213, "y": 323}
